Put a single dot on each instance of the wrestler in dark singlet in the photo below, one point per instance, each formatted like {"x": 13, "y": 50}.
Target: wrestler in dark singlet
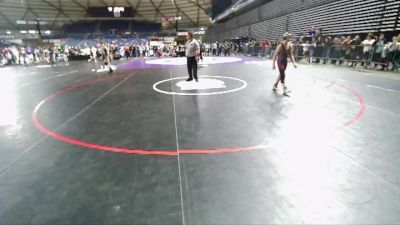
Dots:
{"x": 283, "y": 51}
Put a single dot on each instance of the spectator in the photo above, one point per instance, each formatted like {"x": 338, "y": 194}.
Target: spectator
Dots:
{"x": 327, "y": 49}
{"x": 306, "y": 51}
{"x": 52, "y": 54}
{"x": 379, "y": 45}
{"x": 126, "y": 51}
{"x": 319, "y": 49}
{"x": 220, "y": 46}
{"x": 299, "y": 49}
{"x": 347, "y": 48}
{"x": 336, "y": 50}
{"x": 214, "y": 47}
{"x": 390, "y": 49}
{"x": 312, "y": 31}
{"x": 313, "y": 47}
{"x": 355, "y": 54}
{"x": 367, "y": 49}
{"x": 227, "y": 47}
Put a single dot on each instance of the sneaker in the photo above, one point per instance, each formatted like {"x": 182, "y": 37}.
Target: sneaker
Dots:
{"x": 286, "y": 90}
{"x": 197, "y": 80}
{"x": 190, "y": 79}
{"x": 274, "y": 88}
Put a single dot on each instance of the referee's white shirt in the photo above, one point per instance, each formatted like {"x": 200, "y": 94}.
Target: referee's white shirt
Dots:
{"x": 191, "y": 47}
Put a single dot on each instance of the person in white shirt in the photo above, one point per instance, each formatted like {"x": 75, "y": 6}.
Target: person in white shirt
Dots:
{"x": 192, "y": 54}
{"x": 388, "y": 53}
{"x": 214, "y": 47}
{"x": 93, "y": 54}
{"x": 306, "y": 50}
{"x": 367, "y": 43}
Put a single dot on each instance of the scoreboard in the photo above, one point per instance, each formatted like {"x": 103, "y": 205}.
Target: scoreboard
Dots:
{"x": 111, "y": 11}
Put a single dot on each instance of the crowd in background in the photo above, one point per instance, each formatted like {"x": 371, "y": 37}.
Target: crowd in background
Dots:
{"x": 374, "y": 51}
{"x": 54, "y": 53}
{"x": 22, "y": 55}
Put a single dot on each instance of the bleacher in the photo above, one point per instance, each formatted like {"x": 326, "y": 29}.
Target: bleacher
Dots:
{"x": 145, "y": 27}
{"x": 119, "y": 26}
{"x": 89, "y": 33}
{"x": 348, "y": 17}
{"x": 334, "y": 17}
{"x": 75, "y": 39}
{"x": 80, "y": 28}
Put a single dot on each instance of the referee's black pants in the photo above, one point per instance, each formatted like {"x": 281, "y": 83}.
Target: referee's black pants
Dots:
{"x": 192, "y": 67}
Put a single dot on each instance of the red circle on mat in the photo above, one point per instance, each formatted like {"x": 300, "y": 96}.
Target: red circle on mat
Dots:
{"x": 95, "y": 146}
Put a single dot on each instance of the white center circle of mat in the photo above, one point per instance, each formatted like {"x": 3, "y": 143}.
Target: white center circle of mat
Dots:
{"x": 205, "y": 83}
{"x": 180, "y": 61}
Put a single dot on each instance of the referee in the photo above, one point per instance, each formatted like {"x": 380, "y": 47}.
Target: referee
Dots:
{"x": 192, "y": 54}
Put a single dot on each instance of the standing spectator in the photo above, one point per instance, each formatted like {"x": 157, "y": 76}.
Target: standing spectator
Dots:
{"x": 342, "y": 50}
{"x": 319, "y": 49}
{"x": 207, "y": 49}
{"x": 66, "y": 54}
{"x": 93, "y": 54}
{"x": 367, "y": 49}
{"x": 299, "y": 49}
{"x": 21, "y": 58}
{"x": 9, "y": 56}
{"x": 235, "y": 48}
{"x": 263, "y": 48}
{"x": 390, "y": 50}
{"x": 29, "y": 55}
{"x": 241, "y": 45}
{"x": 306, "y": 51}
{"x": 226, "y": 48}
{"x": 126, "y": 51}
{"x": 379, "y": 45}
{"x": 202, "y": 50}
{"x": 15, "y": 54}
{"x": 130, "y": 50}
{"x": 141, "y": 50}
{"x": 356, "y": 44}
{"x": 214, "y": 47}
{"x": 53, "y": 54}
{"x": 327, "y": 49}
{"x": 36, "y": 58}
{"x": 347, "y": 49}
{"x": 155, "y": 50}
{"x": 220, "y": 46}
{"x": 2, "y": 61}
{"x": 313, "y": 46}
{"x": 336, "y": 50}
{"x": 137, "y": 50}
